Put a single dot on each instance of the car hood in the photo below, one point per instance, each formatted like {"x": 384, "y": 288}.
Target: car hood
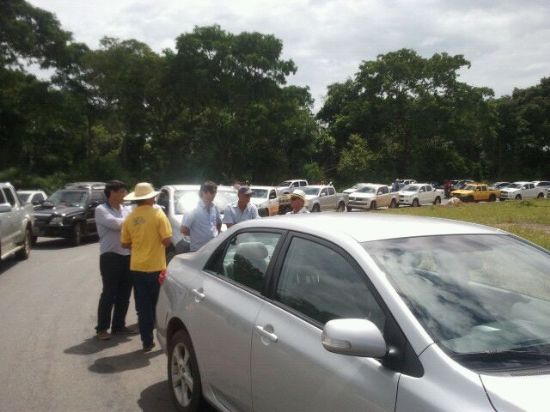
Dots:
{"x": 350, "y": 190}
{"x": 407, "y": 192}
{"x": 510, "y": 393}
{"x": 463, "y": 192}
{"x": 510, "y": 189}
{"x": 258, "y": 200}
{"x": 364, "y": 195}
{"x": 58, "y": 210}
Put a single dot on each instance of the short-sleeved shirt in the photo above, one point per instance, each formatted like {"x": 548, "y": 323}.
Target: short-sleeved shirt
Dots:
{"x": 203, "y": 224}
{"x": 109, "y": 223}
{"x": 145, "y": 228}
{"x": 233, "y": 214}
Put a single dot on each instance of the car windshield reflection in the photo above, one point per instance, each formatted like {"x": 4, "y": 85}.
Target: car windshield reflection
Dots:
{"x": 473, "y": 293}
{"x": 68, "y": 198}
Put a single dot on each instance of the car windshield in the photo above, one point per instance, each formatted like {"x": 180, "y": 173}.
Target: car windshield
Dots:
{"x": 411, "y": 188}
{"x": 474, "y": 294}
{"x": 514, "y": 185}
{"x": 285, "y": 183}
{"x": 68, "y": 198}
{"x": 311, "y": 190}
{"x": 367, "y": 189}
{"x": 357, "y": 186}
{"x": 187, "y": 199}
{"x": 470, "y": 187}
{"x": 259, "y": 192}
{"x": 23, "y": 197}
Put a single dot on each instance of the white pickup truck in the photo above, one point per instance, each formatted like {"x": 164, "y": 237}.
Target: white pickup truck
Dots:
{"x": 324, "y": 197}
{"x": 16, "y": 222}
{"x": 372, "y": 196}
{"x": 420, "y": 194}
{"x": 521, "y": 190}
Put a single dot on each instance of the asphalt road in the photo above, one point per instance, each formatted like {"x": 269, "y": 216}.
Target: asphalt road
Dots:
{"x": 49, "y": 357}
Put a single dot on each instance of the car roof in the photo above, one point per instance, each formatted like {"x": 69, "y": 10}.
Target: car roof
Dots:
{"x": 262, "y": 187}
{"x": 29, "y": 191}
{"x": 522, "y": 182}
{"x": 363, "y": 227}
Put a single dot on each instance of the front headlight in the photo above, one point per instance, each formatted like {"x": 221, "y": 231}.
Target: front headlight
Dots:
{"x": 58, "y": 220}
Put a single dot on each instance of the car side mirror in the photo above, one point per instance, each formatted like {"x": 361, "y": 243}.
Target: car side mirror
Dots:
{"x": 322, "y": 194}
{"x": 354, "y": 337}
{"x": 5, "y": 207}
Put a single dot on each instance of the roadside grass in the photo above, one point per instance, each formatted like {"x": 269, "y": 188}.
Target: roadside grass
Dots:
{"x": 529, "y": 219}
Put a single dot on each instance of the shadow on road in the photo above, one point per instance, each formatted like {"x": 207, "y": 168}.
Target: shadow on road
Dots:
{"x": 7, "y": 264}
{"x": 120, "y": 363}
{"x": 59, "y": 243}
{"x": 92, "y": 345}
{"x": 157, "y": 398}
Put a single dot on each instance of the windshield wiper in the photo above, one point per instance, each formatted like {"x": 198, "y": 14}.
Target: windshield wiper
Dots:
{"x": 504, "y": 355}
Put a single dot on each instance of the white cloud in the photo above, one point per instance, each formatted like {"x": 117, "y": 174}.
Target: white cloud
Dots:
{"x": 507, "y": 41}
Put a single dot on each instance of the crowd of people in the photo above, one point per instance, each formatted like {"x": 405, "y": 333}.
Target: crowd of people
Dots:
{"x": 132, "y": 243}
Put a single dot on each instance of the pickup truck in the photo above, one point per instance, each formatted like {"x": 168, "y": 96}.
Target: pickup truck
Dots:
{"x": 324, "y": 197}
{"x": 69, "y": 212}
{"x": 521, "y": 190}
{"x": 266, "y": 200}
{"x": 16, "y": 222}
{"x": 476, "y": 192}
{"x": 288, "y": 186}
{"x": 372, "y": 196}
{"x": 420, "y": 194}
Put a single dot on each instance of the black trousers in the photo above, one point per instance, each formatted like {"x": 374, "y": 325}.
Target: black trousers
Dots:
{"x": 117, "y": 287}
{"x": 146, "y": 293}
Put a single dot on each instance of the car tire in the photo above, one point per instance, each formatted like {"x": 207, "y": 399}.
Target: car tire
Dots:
{"x": 183, "y": 374}
{"x": 469, "y": 199}
{"x": 316, "y": 209}
{"x": 518, "y": 197}
{"x": 437, "y": 201}
{"x": 492, "y": 198}
{"x": 540, "y": 196}
{"x": 26, "y": 251}
{"x": 76, "y": 236}
{"x": 349, "y": 208}
{"x": 372, "y": 205}
{"x": 393, "y": 204}
{"x": 341, "y": 207}
{"x": 415, "y": 203}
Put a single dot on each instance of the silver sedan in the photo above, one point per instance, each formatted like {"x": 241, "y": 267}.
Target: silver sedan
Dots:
{"x": 332, "y": 312}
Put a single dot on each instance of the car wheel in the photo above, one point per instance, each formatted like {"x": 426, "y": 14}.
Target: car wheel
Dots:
{"x": 372, "y": 205}
{"x": 415, "y": 203}
{"x": 349, "y": 208}
{"x": 393, "y": 204}
{"x": 316, "y": 208}
{"x": 540, "y": 195}
{"x": 437, "y": 201}
{"x": 183, "y": 374}
{"x": 492, "y": 198}
{"x": 76, "y": 238}
{"x": 26, "y": 251}
{"x": 341, "y": 207}
{"x": 518, "y": 197}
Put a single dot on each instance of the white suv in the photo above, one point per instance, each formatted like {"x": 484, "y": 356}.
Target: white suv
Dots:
{"x": 521, "y": 190}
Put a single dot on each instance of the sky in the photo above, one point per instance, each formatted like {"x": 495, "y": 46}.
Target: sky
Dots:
{"x": 506, "y": 41}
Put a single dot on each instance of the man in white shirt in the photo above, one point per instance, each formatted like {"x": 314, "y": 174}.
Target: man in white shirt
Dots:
{"x": 240, "y": 210}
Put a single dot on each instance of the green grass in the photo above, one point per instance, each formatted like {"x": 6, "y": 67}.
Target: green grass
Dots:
{"x": 529, "y": 219}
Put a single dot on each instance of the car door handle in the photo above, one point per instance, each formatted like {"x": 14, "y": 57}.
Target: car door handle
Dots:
{"x": 199, "y": 295}
{"x": 266, "y": 334}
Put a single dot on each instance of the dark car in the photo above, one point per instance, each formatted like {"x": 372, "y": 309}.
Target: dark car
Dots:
{"x": 69, "y": 212}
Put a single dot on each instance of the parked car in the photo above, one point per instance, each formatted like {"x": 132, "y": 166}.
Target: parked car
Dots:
{"x": 288, "y": 186}
{"x": 32, "y": 197}
{"x": 420, "y": 194}
{"x": 544, "y": 184}
{"x": 176, "y": 200}
{"x": 358, "y": 312}
{"x": 266, "y": 200}
{"x": 355, "y": 187}
{"x": 372, "y": 196}
{"x": 324, "y": 197}
{"x": 16, "y": 223}
{"x": 69, "y": 212}
{"x": 405, "y": 182}
{"x": 461, "y": 183}
{"x": 521, "y": 190}
{"x": 500, "y": 185}
{"x": 476, "y": 192}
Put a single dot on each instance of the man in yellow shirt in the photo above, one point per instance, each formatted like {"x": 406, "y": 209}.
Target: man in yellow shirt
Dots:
{"x": 147, "y": 232}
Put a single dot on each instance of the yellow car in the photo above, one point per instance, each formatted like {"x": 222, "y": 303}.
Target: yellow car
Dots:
{"x": 476, "y": 192}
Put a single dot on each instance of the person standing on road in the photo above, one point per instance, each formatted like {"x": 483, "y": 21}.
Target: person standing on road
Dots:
{"x": 204, "y": 221}
{"x": 114, "y": 263}
{"x": 240, "y": 210}
{"x": 147, "y": 232}
{"x": 297, "y": 202}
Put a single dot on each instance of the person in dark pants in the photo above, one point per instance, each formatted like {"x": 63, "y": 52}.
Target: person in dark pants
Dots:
{"x": 147, "y": 232}
{"x": 114, "y": 263}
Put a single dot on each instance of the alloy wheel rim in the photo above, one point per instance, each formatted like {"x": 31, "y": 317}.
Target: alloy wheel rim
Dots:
{"x": 182, "y": 376}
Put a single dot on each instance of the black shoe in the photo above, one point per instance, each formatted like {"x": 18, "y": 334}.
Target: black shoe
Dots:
{"x": 125, "y": 331}
{"x": 148, "y": 348}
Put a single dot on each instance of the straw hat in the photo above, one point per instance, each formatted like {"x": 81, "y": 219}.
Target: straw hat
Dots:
{"x": 299, "y": 194}
{"x": 142, "y": 191}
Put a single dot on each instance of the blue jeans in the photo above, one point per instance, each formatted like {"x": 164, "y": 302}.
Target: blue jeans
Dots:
{"x": 146, "y": 293}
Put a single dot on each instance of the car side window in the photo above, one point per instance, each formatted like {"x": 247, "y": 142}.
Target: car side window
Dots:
{"x": 331, "y": 191}
{"x": 384, "y": 189}
{"x": 428, "y": 188}
{"x": 321, "y": 284}
{"x": 163, "y": 200}
{"x": 272, "y": 194}
{"x": 246, "y": 258}
{"x": 2, "y": 198}
{"x": 39, "y": 197}
{"x": 324, "y": 192}
{"x": 98, "y": 196}
{"x": 9, "y": 197}
{"x": 303, "y": 183}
